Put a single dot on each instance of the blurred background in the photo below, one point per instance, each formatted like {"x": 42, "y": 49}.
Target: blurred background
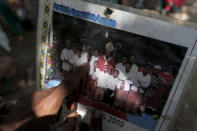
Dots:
{"x": 18, "y": 23}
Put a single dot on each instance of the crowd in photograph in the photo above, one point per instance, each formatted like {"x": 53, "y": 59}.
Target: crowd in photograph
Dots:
{"x": 125, "y": 84}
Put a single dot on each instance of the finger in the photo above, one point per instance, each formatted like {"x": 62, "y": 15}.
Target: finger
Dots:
{"x": 71, "y": 105}
{"x": 73, "y": 114}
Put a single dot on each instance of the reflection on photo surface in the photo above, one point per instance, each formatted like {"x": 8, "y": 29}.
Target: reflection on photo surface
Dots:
{"x": 128, "y": 72}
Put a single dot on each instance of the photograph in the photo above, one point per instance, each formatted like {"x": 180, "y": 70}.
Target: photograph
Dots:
{"x": 130, "y": 75}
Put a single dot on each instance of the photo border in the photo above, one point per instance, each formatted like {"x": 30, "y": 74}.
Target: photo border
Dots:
{"x": 137, "y": 24}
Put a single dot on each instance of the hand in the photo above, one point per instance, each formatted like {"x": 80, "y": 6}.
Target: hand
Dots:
{"x": 45, "y": 102}
{"x": 48, "y": 123}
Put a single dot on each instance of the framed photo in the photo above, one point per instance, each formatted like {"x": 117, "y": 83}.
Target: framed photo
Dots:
{"x": 139, "y": 66}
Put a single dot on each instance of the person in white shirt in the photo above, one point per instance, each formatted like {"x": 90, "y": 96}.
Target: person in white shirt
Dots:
{"x": 93, "y": 59}
{"x": 112, "y": 82}
{"x": 102, "y": 83}
{"x": 102, "y": 77}
{"x": 129, "y": 74}
{"x": 121, "y": 75}
{"x": 143, "y": 78}
{"x": 66, "y": 57}
{"x": 134, "y": 67}
{"x": 95, "y": 71}
{"x": 121, "y": 65}
{"x": 79, "y": 58}
{"x": 76, "y": 61}
{"x": 92, "y": 83}
{"x": 84, "y": 54}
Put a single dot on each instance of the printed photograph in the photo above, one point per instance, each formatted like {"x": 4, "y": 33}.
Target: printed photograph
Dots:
{"x": 130, "y": 75}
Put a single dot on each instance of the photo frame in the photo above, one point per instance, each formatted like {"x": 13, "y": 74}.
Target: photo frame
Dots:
{"x": 108, "y": 18}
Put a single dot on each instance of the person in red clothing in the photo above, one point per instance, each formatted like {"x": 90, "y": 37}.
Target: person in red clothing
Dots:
{"x": 166, "y": 75}
{"x": 107, "y": 58}
{"x": 150, "y": 67}
{"x": 173, "y": 5}
{"x": 166, "y": 79}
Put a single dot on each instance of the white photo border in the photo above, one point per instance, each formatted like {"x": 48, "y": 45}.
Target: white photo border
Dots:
{"x": 129, "y": 22}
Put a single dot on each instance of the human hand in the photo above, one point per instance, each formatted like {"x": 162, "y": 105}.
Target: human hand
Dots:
{"x": 45, "y": 102}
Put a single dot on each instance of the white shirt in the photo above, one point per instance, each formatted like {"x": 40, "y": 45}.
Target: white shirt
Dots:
{"x": 66, "y": 54}
{"x": 77, "y": 61}
{"x": 126, "y": 85}
{"x": 94, "y": 58}
{"x": 120, "y": 66}
{"x": 132, "y": 77}
{"x": 84, "y": 57}
{"x": 144, "y": 80}
{"x": 103, "y": 79}
{"x": 134, "y": 69}
{"x": 121, "y": 75}
{"x": 112, "y": 82}
{"x": 94, "y": 74}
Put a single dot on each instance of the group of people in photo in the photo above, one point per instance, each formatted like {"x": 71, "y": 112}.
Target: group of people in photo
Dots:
{"x": 125, "y": 84}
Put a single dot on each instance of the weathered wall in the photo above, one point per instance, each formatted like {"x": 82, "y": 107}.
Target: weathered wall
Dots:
{"x": 185, "y": 119}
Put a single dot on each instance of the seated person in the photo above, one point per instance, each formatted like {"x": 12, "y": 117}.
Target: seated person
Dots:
{"x": 122, "y": 65}
{"x": 143, "y": 79}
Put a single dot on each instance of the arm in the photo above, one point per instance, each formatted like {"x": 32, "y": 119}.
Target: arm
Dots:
{"x": 45, "y": 102}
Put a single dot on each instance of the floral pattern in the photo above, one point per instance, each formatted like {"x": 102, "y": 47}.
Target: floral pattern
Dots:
{"x": 45, "y": 61}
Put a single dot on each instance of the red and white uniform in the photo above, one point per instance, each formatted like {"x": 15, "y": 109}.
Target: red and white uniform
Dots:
{"x": 102, "y": 60}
